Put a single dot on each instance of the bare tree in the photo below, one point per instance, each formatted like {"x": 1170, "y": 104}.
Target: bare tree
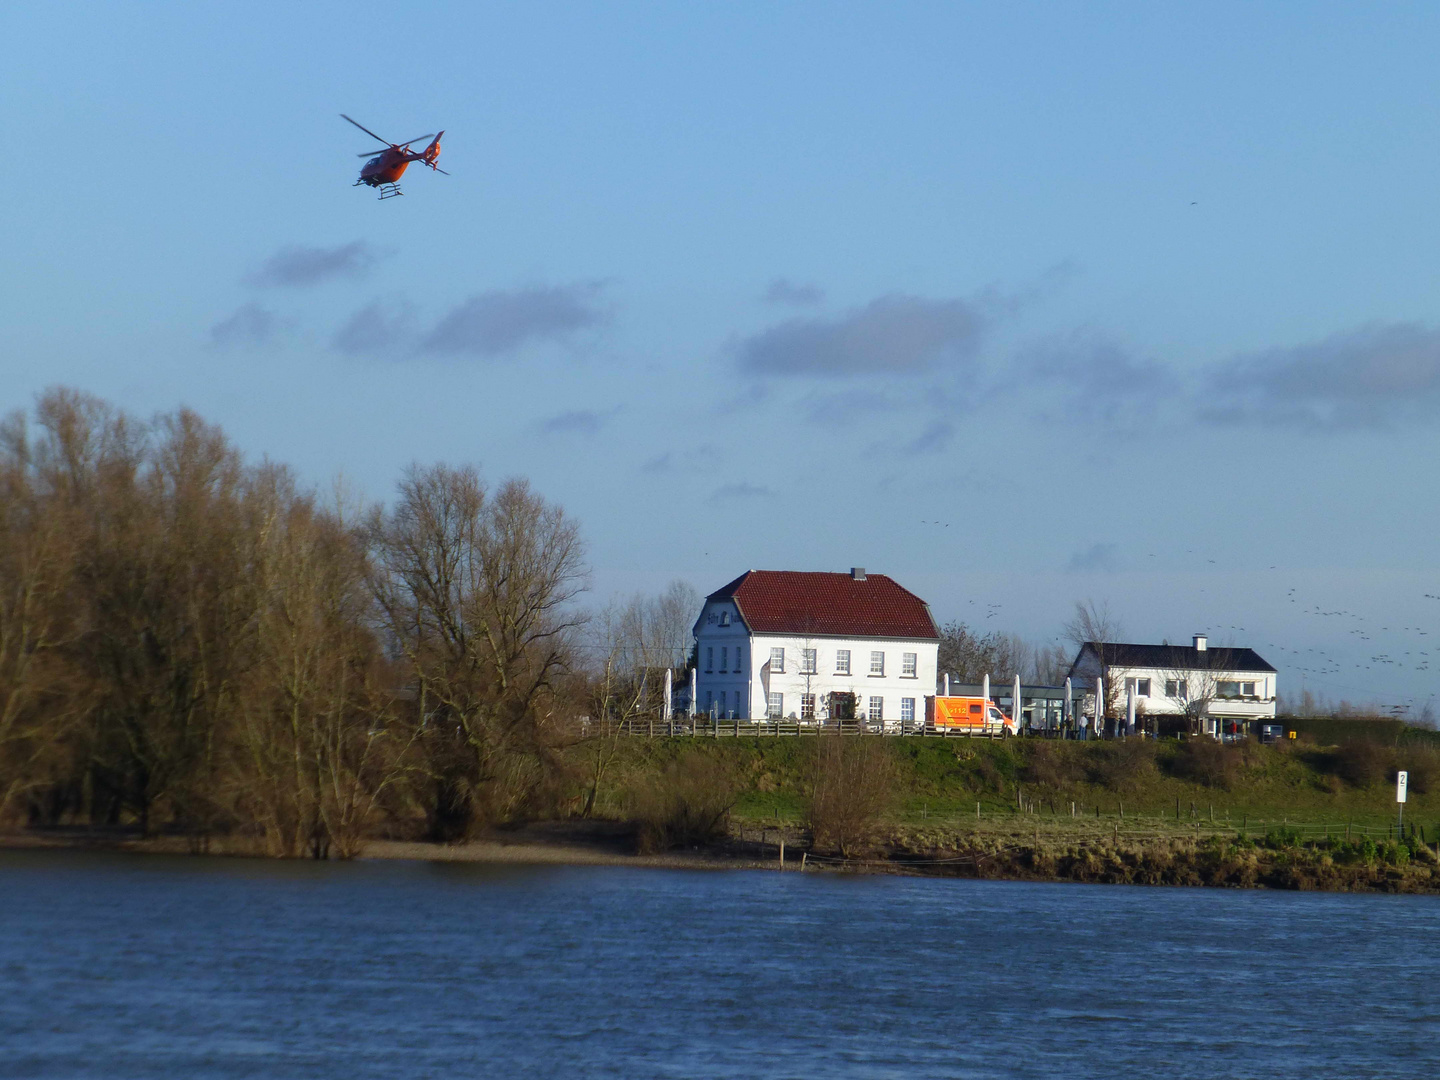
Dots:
{"x": 317, "y": 732}
{"x": 39, "y": 700}
{"x": 1196, "y": 677}
{"x": 1094, "y": 625}
{"x": 477, "y": 594}
{"x": 852, "y": 784}
{"x": 631, "y": 646}
{"x": 1050, "y": 664}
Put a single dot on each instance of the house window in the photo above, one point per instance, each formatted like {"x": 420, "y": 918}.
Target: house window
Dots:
{"x": 776, "y": 708}
{"x": 842, "y": 661}
{"x": 737, "y": 659}
{"x": 709, "y": 700}
{"x": 709, "y": 659}
{"x": 1227, "y": 690}
{"x": 724, "y": 659}
{"x": 807, "y": 661}
{"x": 1247, "y": 689}
{"x": 777, "y": 659}
{"x": 907, "y": 710}
{"x": 1175, "y": 688}
{"x": 908, "y": 664}
{"x": 877, "y": 708}
{"x": 1142, "y": 687}
{"x": 877, "y": 663}
{"x": 807, "y": 706}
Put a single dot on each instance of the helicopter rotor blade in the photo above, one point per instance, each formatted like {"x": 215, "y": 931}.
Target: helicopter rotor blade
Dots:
{"x": 363, "y": 128}
{"x": 439, "y": 170}
{"x": 371, "y": 153}
{"x": 416, "y": 139}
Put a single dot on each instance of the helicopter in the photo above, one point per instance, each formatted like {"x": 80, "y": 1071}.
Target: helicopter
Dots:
{"x": 385, "y": 168}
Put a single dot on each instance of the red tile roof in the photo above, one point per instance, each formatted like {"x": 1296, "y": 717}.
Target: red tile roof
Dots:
{"x": 799, "y": 602}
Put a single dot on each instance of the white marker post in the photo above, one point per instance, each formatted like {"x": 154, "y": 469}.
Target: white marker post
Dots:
{"x": 669, "y": 686}
{"x": 1402, "y": 780}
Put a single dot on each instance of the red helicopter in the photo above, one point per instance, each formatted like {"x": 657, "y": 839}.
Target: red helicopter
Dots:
{"x": 385, "y": 168}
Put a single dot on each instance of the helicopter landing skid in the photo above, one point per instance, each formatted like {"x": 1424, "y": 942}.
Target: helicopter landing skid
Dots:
{"x": 389, "y": 191}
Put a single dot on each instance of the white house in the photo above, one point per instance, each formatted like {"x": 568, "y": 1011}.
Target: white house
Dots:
{"x": 784, "y": 643}
{"x": 1216, "y": 687}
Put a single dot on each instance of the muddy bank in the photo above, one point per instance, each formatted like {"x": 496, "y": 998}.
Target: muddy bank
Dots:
{"x": 1211, "y": 862}
{"x": 1215, "y": 862}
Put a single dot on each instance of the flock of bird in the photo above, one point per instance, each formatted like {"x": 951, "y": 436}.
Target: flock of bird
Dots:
{"x": 1337, "y": 670}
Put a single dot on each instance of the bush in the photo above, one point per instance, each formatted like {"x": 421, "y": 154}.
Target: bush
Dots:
{"x": 1393, "y": 854}
{"x": 1423, "y": 765}
{"x": 1282, "y": 839}
{"x": 1049, "y": 765}
{"x": 1207, "y": 762}
{"x": 688, "y": 804}
{"x": 852, "y": 784}
{"x": 1362, "y": 763}
{"x": 1118, "y": 764}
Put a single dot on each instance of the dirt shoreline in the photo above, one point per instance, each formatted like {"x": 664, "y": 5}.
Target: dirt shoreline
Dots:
{"x": 1160, "y": 861}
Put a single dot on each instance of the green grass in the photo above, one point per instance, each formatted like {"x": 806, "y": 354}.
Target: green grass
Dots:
{"x": 1252, "y": 788}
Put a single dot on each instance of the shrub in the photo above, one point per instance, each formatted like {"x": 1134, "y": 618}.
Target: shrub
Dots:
{"x": 1118, "y": 764}
{"x": 852, "y": 784}
{"x": 1049, "y": 765}
{"x": 1362, "y": 763}
{"x": 1394, "y": 854}
{"x": 1207, "y": 762}
{"x": 1423, "y": 765}
{"x": 1281, "y": 839}
{"x": 688, "y": 804}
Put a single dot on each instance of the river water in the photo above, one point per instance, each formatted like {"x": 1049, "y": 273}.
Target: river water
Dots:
{"x": 117, "y": 967}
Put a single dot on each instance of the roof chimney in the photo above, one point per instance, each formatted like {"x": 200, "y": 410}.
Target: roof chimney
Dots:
{"x": 1200, "y": 640}
{"x": 858, "y": 573}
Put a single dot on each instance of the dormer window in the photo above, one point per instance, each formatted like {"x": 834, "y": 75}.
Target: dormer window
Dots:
{"x": 724, "y": 618}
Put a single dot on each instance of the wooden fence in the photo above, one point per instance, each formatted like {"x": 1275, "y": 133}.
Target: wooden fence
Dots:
{"x": 729, "y": 729}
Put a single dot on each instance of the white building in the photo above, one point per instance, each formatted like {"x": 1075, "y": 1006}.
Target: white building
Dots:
{"x": 785, "y": 643}
{"x": 1217, "y": 688}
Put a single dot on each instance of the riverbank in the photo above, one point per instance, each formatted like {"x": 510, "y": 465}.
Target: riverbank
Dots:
{"x": 1143, "y": 854}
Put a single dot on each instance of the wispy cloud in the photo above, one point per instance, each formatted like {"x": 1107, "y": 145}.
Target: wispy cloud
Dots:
{"x": 298, "y": 267}
{"x": 251, "y": 325}
{"x": 1365, "y": 378}
{"x": 692, "y": 459}
{"x": 586, "y": 422}
{"x": 493, "y": 323}
{"x": 376, "y": 328}
{"x": 848, "y": 407}
{"x": 897, "y": 335}
{"x": 796, "y": 294}
{"x": 740, "y": 492}
{"x": 1099, "y": 371}
{"x": 936, "y": 437}
{"x": 1101, "y": 557}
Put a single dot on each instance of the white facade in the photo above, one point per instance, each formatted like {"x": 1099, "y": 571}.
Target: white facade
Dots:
{"x": 1196, "y": 681}
{"x": 750, "y": 676}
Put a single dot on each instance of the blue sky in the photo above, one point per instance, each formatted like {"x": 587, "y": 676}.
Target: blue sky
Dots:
{"x": 1138, "y": 302}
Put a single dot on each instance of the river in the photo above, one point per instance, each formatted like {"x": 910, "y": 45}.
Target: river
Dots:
{"x": 115, "y": 967}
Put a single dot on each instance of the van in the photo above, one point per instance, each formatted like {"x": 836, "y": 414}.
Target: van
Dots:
{"x": 967, "y": 716}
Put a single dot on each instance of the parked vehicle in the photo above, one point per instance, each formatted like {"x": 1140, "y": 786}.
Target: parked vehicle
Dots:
{"x": 968, "y": 716}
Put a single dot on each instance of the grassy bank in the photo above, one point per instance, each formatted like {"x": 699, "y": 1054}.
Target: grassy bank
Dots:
{"x": 1189, "y": 787}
